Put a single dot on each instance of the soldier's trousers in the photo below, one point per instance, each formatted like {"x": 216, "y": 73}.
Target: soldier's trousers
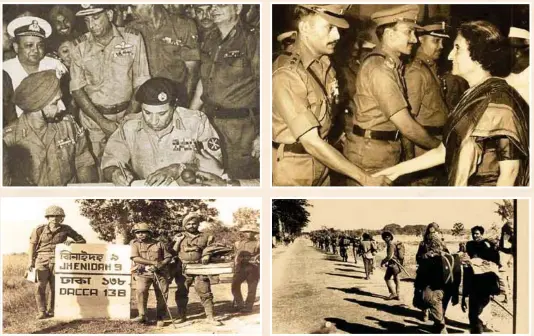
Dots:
{"x": 237, "y": 136}
{"x": 251, "y": 274}
{"x": 143, "y": 284}
{"x": 202, "y": 287}
{"x": 44, "y": 267}
{"x": 477, "y": 303}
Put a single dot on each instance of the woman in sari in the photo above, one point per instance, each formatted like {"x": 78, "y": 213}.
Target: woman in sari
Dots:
{"x": 486, "y": 137}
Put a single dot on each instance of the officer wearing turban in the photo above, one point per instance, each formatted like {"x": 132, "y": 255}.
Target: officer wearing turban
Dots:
{"x": 519, "y": 78}
{"x": 158, "y": 143}
{"x": 29, "y": 34}
{"x": 305, "y": 92}
{"x": 382, "y": 113}
{"x": 190, "y": 247}
{"x": 46, "y": 147}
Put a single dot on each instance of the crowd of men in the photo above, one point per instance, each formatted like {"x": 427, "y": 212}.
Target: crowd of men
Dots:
{"x": 481, "y": 267}
{"x": 156, "y": 264}
{"x": 142, "y": 92}
{"x": 349, "y": 115}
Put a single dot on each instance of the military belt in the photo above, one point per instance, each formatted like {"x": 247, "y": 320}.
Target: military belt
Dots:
{"x": 296, "y": 148}
{"x": 434, "y": 130}
{"x": 114, "y": 109}
{"x": 376, "y": 135}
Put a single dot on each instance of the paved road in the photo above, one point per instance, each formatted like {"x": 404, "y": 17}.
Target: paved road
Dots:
{"x": 311, "y": 288}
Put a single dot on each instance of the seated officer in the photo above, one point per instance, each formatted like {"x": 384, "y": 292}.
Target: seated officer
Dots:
{"x": 46, "y": 146}
{"x": 158, "y": 143}
{"x": 150, "y": 257}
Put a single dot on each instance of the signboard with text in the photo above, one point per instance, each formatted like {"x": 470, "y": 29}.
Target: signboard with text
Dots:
{"x": 92, "y": 281}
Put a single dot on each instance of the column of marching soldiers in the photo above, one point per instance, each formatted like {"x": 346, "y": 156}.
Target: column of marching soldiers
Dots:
{"x": 481, "y": 266}
{"x": 118, "y": 93}
{"x": 156, "y": 265}
{"x": 362, "y": 101}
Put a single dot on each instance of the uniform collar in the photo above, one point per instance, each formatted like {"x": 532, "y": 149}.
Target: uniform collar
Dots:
{"x": 115, "y": 32}
{"x": 306, "y": 56}
{"x": 382, "y": 49}
{"x": 163, "y": 132}
{"x": 424, "y": 57}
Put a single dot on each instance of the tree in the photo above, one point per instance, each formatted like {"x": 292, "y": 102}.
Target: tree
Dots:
{"x": 505, "y": 210}
{"x": 393, "y": 228}
{"x": 246, "y": 216}
{"x": 458, "y": 229}
{"x": 113, "y": 219}
{"x": 291, "y": 214}
{"x": 226, "y": 235}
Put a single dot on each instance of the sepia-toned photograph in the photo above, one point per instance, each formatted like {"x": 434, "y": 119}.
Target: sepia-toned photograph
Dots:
{"x": 400, "y": 95}
{"x": 131, "y": 95}
{"x": 131, "y": 266}
{"x": 400, "y": 266}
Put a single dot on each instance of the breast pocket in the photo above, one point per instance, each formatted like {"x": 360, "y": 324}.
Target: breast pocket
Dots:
{"x": 236, "y": 67}
{"x": 93, "y": 70}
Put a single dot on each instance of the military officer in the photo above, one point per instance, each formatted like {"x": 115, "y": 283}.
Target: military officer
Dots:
{"x": 46, "y": 146}
{"x": 519, "y": 78}
{"x": 43, "y": 241}
{"x": 190, "y": 246}
{"x": 382, "y": 111}
{"x": 427, "y": 102}
{"x": 228, "y": 90}
{"x": 151, "y": 258}
{"x": 305, "y": 91}
{"x": 247, "y": 268}
{"x": 108, "y": 64}
{"x": 159, "y": 142}
{"x": 172, "y": 44}
{"x": 205, "y": 23}
{"x": 29, "y": 34}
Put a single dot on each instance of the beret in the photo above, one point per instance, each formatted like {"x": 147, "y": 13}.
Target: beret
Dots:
{"x": 157, "y": 91}
{"x": 37, "y": 90}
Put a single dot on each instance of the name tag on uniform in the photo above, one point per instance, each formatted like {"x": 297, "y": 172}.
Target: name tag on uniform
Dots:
{"x": 123, "y": 49}
{"x": 233, "y": 54}
{"x": 170, "y": 41}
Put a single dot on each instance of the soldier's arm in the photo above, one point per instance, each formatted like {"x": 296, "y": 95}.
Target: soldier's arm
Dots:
{"x": 196, "y": 101}
{"x": 87, "y": 106}
{"x": 289, "y": 97}
{"x": 78, "y": 238}
{"x": 84, "y": 162}
{"x": 116, "y": 153}
{"x": 413, "y": 131}
{"x": 193, "y": 68}
{"x": 167, "y": 255}
{"x": 31, "y": 249}
{"x": 415, "y": 88}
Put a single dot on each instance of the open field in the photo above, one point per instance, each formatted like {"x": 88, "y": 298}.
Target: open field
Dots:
{"x": 19, "y": 310}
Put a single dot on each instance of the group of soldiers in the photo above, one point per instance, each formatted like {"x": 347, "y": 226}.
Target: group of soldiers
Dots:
{"x": 140, "y": 92}
{"x": 482, "y": 266}
{"x": 156, "y": 264}
{"x": 357, "y": 112}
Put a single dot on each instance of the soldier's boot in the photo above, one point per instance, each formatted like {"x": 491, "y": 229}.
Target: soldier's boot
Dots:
{"x": 391, "y": 288}
{"x": 42, "y": 315}
{"x": 181, "y": 305}
{"x": 210, "y": 315}
{"x": 141, "y": 319}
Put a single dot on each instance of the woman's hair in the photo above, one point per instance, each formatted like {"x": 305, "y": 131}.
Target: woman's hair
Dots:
{"x": 487, "y": 46}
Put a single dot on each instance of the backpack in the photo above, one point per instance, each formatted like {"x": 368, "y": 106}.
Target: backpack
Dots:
{"x": 400, "y": 252}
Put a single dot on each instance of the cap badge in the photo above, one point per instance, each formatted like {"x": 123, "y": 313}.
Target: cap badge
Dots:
{"x": 34, "y": 26}
{"x": 162, "y": 97}
{"x": 85, "y": 6}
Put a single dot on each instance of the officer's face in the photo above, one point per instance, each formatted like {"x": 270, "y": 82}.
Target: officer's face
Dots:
{"x": 402, "y": 37}
{"x": 55, "y": 220}
{"x": 431, "y": 46}
{"x": 320, "y": 35}
{"x": 52, "y": 110}
{"x": 224, "y": 13}
{"x": 63, "y": 52}
{"x": 203, "y": 16}
{"x": 62, "y": 25}
{"x": 30, "y": 49}
{"x": 142, "y": 235}
{"x": 477, "y": 235}
{"x": 157, "y": 117}
{"x": 192, "y": 226}
{"x": 99, "y": 24}
{"x": 462, "y": 64}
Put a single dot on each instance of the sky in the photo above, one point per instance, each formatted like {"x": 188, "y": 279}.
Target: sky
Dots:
{"x": 20, "y": 215}
{"x": 348, "y": 214}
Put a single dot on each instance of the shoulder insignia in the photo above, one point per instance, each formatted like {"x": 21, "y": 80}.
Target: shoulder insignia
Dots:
{"x": 79, "y": 39}
{"x": 214, "y": 144}
{"x": 388, "y": 62}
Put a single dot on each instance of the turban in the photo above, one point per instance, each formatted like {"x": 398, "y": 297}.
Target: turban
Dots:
{"x": 190, "y": 217}
{"x": 37, "y": 91}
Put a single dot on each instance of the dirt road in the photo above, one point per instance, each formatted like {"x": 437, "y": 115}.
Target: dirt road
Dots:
{"x": 315, "y": 292}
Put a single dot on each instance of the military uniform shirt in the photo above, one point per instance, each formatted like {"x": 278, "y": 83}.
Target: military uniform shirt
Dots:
{"x": 48, "y": 239}
{"x": 379, "y": 91}
{"x": 169, "y": 46}
{"x": 427, "y": 104}
{"x": 147, "y": 150}
{"x": 230, "y": 69}
{"x": 109, "y": 74}
{"x": 200, "y": 240}
{"x": 299, "y": 103}
{"x": 247, "y": 249}
{"x": 152, "y": 250}
{"x": 50, "y": 161}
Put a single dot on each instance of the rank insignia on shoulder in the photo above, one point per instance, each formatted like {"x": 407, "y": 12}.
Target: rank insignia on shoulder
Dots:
{"x": 214, "y": 144}
{"x": 389, "y": 63}
{"x": 233, "y": 54}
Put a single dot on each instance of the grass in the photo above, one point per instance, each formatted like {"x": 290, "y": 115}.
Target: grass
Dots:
{"x": 19, "y": 308}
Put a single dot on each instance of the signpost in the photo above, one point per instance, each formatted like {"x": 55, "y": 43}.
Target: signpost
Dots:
{"x": 92, "y": 281}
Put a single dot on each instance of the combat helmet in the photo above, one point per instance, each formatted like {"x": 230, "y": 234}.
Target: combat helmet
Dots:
{"x": 54, "y": 210}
